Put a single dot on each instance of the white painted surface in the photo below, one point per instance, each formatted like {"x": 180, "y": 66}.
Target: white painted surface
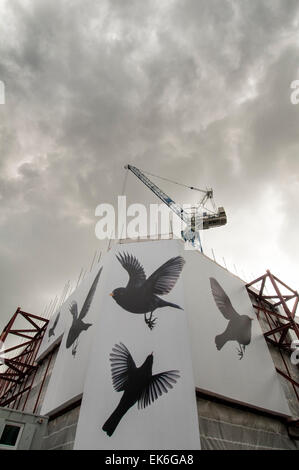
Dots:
{"x": 251, "y": 380}
{"x": 68, "y": 375}
{"x": 171, "y": 421}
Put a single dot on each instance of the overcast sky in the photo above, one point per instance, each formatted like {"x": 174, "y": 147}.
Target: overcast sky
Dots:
{"x": 193, "y": 90}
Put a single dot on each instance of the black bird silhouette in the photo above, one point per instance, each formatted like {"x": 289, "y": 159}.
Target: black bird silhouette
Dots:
{"x": 52, "y": 330}
{"x": 137, "y": 383}
{"x": 78, "y": 325}
{"x": 239, "y": 326}
{"x": 141, "y": 294}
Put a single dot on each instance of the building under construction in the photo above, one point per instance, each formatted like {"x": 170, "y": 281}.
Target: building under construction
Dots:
{"x": 158, "y": 347}
{"x": 245, "y": 396}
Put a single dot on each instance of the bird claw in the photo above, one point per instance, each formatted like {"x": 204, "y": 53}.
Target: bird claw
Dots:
{"x": 150, "y": 322}
{"x": 241, "y": 351}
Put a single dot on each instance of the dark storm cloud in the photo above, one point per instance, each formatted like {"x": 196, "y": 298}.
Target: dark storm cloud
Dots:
{"x": 196, "y": 90}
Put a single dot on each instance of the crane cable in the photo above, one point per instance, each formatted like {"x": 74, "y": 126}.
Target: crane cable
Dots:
{"x": 174, "y": 182}
{"x": 189, "y": 187}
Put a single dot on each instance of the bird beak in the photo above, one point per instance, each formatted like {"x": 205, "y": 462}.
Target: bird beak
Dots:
{"x": 112, "y": 295}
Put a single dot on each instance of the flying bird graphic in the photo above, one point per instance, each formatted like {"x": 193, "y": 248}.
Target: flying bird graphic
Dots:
{"x": 137, "y": 383}
{"x": 52, "y": 330}
{"x": 239, "y": 326}
{"x": 78, "y": 325}
{"x": 141, "y": 294}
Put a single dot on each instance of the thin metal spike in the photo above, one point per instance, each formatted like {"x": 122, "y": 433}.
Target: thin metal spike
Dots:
{"x": 66, "y": 291}
{"x": 79, "y": 277}
{"x": 61, "y": 295}
{"x": 94, "y": 257}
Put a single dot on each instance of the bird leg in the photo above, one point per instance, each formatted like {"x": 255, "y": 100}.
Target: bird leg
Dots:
{"x": 74, "y": 348}
{"x": 150, "y": 321}
{"x": 241, "y": 351}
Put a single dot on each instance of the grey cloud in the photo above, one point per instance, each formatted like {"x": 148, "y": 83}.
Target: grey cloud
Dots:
{"x": 94, "y": 85}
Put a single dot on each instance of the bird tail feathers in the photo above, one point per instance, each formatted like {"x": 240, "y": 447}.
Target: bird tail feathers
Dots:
{"x": 220, "y": 341}
{"x": 170, "y": 304}
{"x": 112, "y": 422}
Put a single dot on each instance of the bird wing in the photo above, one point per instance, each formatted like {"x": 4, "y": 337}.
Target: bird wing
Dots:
{"x": 222, "y": 300}
{"x": 56, "y": 321}
{"x": 134, "y": 269}
{"x": 74, "y": 309}
{"x": 122, "y": 365}
{"x": 159, "y": 384}
{"x": 89, "y": 297}
{"x": 164, "y": 278}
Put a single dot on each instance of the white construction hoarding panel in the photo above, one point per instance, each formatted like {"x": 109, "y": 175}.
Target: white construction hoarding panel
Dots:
{"x": 57, "y": 325}
{"x": 230, "y": 355}
{"x": 139, "y": 391}
{"x": 81, "y": 314}
{"x": 54, "y": 331}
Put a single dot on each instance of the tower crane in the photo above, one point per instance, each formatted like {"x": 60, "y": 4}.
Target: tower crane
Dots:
{"x": 199, "y": 218}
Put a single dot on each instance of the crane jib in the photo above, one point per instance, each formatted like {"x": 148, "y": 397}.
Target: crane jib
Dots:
{"x": 194, "y": 222}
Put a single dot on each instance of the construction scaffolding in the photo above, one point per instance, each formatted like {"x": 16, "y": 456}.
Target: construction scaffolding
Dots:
{"x": 279, "y": 310}
{"x": 18, "y": 367}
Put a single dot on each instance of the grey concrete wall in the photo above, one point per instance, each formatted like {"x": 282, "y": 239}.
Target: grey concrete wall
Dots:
{"x": 61, "y": 431}
{"x": 225, "y": 427}
{"x": 33, "y": 429}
